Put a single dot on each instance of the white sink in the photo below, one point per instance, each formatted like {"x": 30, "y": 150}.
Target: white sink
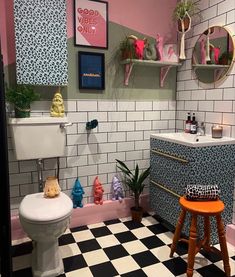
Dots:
{"x": 193, "y": 140}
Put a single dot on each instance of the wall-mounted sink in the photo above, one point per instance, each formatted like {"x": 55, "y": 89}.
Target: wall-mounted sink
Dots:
{"x": 193, "y": 140}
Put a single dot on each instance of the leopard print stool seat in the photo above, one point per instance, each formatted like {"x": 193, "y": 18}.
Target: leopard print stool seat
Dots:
{"x": 205, "y": 209}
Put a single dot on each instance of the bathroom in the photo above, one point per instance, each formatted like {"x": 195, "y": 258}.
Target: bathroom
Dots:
{"x": 127, "y": 115}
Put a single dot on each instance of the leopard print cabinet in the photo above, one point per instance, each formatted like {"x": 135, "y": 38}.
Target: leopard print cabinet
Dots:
{"x": 174, "y": 166}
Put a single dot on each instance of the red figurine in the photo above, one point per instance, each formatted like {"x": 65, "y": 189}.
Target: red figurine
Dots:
{"x": 98, "y": 191}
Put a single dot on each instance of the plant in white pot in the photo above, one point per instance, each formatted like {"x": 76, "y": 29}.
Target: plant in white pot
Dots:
{"x": 135, "y": 182}
{"x": 21, "y": 96}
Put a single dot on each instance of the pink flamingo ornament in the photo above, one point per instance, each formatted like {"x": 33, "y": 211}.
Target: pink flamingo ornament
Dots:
{"x": 203, "y": 51}
{"x": 159, "y": 47}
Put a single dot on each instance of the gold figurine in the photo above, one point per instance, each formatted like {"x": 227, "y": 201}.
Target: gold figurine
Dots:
{"x": 57, "y": 107}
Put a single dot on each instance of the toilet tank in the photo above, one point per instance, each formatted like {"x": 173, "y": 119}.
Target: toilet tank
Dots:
{"x": 38, "y": 137}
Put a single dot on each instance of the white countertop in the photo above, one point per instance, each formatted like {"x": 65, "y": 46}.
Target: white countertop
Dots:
{"x": 193, "y": 140}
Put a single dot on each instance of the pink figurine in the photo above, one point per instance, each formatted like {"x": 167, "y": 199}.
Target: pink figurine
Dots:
{"x": 203, "y": 51}
{"x": 98, "y": 191}
{"x": 139, "y": 45}
{"x": 216, "y": 51}
{"x": 159, "y": 47}
{"x": 139, "y": 48}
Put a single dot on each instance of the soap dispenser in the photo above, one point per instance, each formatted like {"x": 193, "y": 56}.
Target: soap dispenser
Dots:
{"x": 193, "y": 125}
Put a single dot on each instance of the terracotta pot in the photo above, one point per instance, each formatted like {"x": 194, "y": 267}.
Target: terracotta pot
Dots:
{"x": 186, "y": 24}
{"x": 211, "y": 31}
{"x": 137, "y": 214}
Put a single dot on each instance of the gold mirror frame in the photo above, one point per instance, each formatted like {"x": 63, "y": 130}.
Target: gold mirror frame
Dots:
{"x": 215, "y": 69}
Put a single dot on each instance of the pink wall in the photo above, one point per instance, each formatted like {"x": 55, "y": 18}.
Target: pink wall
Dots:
{"x": 7, "y": 31}
{"x": 150, "y": 19}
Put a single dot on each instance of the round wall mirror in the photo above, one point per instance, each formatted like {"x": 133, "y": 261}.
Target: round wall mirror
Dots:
{"x": 213, "y": 54}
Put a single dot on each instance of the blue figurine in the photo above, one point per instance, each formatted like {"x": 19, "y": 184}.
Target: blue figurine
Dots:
{"x": 77, "y": 194}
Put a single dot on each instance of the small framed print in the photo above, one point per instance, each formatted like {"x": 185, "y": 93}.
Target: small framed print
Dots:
{"x": 91, "y": 23}
{"x": 170, "y": 53}
{"x": 91, "y": 70}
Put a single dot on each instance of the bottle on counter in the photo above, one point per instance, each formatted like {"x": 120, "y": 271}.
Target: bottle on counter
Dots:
{"x": 193, "y": 125}
{"x": 188, "y": 124}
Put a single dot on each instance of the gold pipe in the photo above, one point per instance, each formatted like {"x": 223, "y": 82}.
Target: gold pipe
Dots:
{"x": 169, "y": 156}
{"x": 166, "y": 189}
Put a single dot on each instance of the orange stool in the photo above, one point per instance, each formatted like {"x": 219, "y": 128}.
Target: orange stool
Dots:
{"x": 205, "y": 209}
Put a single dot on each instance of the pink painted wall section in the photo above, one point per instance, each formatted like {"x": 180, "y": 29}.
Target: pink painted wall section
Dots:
{"x": 147, "y": 17}
{"x": 7, "y": 31}
{"x": 90, "y": 214}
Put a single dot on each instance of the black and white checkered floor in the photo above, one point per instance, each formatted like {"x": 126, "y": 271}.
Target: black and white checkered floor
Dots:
{"x": 121, "y": 247}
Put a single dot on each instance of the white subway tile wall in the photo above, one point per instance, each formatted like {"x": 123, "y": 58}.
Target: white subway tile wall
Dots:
{"x": 123, "y": 133}
{"x": 213, "y": 104}
{"x": 125, "y": 126}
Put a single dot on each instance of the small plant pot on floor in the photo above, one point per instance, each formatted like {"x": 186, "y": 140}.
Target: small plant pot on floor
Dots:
{"x": 137, "y": 214}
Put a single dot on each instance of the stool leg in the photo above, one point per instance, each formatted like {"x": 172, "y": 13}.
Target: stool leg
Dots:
{"x": 178, "y": 229}
{"x": 207, "y": 234}
{"x": 223, "y": 245}
{"x": 192, "y": 245}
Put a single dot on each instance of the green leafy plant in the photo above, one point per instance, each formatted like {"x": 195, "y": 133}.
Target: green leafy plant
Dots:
{"x": 21, "y": 96}
{"x": 127, "y": 49}
{"x": 134, "y": 181}
{"x": 184, "y": 7}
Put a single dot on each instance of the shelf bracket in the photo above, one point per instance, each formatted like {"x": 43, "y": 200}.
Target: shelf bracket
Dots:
{"x": 128, "y": 69}
{"x": 164, "y": 72}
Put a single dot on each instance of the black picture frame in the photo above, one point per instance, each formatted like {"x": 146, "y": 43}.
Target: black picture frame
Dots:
{"x": 91, "y": 23}
{"x": 91, "y": 70}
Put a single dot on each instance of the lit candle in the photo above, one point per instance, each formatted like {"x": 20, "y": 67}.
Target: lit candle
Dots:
{"x": 217, "y": 131}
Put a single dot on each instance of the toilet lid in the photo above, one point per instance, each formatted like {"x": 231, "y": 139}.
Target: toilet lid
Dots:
{"x": 35, "y": 207}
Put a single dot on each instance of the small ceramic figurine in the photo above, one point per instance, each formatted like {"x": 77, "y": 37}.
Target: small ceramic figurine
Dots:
{"x": 159, "y": 47}
{"x": 57, "y": 107}
{"x": 203, "y": 51}
{"x": 139, "y": 45}
{"x": 77, "y": 194}
{"x": 98, "y": 192}
{"x": 117, "y": 191}
{"x": 52, "y": 188}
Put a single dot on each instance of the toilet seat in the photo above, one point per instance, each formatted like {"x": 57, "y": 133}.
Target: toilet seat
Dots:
{"x": 36, "y": 208}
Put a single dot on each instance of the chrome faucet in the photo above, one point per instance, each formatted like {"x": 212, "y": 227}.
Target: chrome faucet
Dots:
{"x": 201, "y": 130}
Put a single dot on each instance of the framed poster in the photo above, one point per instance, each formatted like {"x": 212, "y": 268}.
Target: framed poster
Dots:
{"x": 91, "y": 70}
{"x": 91, "y": 23}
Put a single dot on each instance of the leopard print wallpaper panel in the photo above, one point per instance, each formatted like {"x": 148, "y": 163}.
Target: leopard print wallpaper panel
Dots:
{"x": 41, "y": 42}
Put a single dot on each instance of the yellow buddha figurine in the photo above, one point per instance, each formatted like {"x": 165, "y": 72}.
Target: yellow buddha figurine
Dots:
{"x": 57, "y": 107}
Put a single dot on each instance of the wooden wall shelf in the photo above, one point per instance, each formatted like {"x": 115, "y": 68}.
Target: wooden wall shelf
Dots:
{"x": 164, "y": 68}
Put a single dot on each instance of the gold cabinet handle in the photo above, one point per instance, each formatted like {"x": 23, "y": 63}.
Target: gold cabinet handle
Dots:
{"x": 173, "y": 157}
{"x": 166, "y": 189}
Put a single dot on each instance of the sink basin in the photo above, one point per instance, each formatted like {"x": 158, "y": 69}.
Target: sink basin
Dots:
{"x": 193, "y": 140}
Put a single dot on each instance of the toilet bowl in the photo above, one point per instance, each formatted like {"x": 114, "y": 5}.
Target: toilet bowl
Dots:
{"x": 45, "y": 220}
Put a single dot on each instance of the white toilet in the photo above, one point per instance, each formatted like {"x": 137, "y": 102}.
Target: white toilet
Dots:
{"x": 43, "y": 219}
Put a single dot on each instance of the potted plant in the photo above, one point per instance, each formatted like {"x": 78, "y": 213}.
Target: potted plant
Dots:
{"x": 183, "y": 11}
{"x": 21, "y": 96}
{"x": 127, "y": 49}
{"x": 135, "y": 182}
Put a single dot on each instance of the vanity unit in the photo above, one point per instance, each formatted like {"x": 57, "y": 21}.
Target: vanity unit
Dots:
{"x": 178, "y": 159}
